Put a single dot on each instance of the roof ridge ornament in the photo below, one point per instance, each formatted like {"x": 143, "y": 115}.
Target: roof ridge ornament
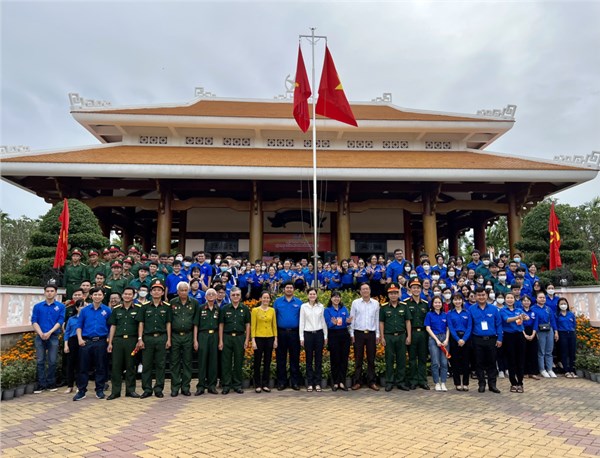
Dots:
{"x": 290, "y": 85}
{"x": 591, "y": 161}
{"x": 508, "y": 112}
{"x": 14, "y": 150}
{"x": 77, "y": 101}
{"x": 386, "y": 97}
{"x": 199, "y": 92}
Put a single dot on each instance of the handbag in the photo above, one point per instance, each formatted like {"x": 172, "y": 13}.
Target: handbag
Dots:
{"x": 544, "y": 327}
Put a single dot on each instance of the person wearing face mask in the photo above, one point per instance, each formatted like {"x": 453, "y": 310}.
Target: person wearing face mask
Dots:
{"x": 460, "y": 325}
{"x": 501, "y": 284}
{"x": 451, "y": 279}
{"x": 531, "y": 341}
{"x": 216, "y": 267}
{"x": 186, "y": 266}
{"x": 408, "y": 268}
{"x": 552, "y": 298}
{"x": 545, "y": 327}
{"x": 501, "y": 361}
{"x": 518, "y": 258}
{"x": 425, "y": 271}
{"x": 484, "y": 268}
{"x": 447, "y": 299}
{"x": 514, "y": 342}
{"x": 435, "y": 276}
{"x": 566, "y": 324}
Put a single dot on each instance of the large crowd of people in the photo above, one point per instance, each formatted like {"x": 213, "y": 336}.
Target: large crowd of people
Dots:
{"x": 484, "y": 319}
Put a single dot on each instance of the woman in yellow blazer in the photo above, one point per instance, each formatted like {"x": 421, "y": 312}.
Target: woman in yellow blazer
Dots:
{"x": 264, "y": 340}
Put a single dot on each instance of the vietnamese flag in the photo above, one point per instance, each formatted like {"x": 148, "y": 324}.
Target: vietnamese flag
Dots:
{"x": 332, "y": 101}
{"x": 594, "y": 266}
{"x": 301, "y": 94}
{"x": 553, "y": 223}
{"x": 62, "y": 247}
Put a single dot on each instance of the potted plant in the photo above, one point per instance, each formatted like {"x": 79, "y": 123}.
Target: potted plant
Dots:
{"x": 326, "y": 372}
{"x": 380, "y": 370}
{"x": 9, "y": 379}
{"x": 30, "y": 376}
{"x": 247, "y": 372}
{"x": 20, "y": 371}
{"x": 594, "y": 367}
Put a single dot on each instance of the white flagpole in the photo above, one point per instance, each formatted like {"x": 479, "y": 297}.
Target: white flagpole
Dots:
{"x": 314, "y": 146}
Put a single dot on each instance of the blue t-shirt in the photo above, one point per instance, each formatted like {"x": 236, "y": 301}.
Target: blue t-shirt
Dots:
{"x": 94, "y": 322}
{"x": 486, "y": 322}
{"x": 511, "y": 327}
{"x": 459, "y": 322}
{"x": 331, "y": 312}
{"x": 566, "y": 322}
{"x": 438, "y": 322}
{"x": 287, "y": 313}
{"x": 47, "y": 315}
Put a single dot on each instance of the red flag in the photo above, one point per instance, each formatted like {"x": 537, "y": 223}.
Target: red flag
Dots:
{"x": 332, "y": 101}
{"x": 62, "y": 247}
{"x": 594, "y": 266}
{"x": 301, "y": 94}
{"x": 553, "y": 223}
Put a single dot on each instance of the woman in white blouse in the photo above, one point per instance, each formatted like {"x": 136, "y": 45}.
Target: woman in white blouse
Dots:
{"x": 313, "y": 337}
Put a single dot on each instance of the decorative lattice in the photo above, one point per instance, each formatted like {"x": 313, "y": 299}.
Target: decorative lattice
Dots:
{"x": 359, "y": 144}
{"x": 206, "y": 141}
{"x": 320, "y": 143}
{"x": 280, "y": 143}
{"x": 395, "y": 144}
{"x": 438, "y": 145}
{"x": 152, "y": 140}
{"x": 235, "y": 141}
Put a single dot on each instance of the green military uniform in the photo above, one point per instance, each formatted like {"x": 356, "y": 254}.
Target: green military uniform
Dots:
{"x": 155, "y": 319}
{"x": 135, "y": 268}
{"x": 98, "y": 268}
{"x": 128, "y": 276}
{"x": 117, "y": 285}
{"x": 73, "y": 277}
{"x": 137, "y": 283}
{"x": 123, "y": 343}
{"x": 157, "y": 276}
{"x": 207, "y": 321}
{"x": 394, "y": 332}
{"x": 70, "y": 311}
{"x": 235, "y": 321}
{"x": 417, "y": 353}
{"x": 182, "y": 343}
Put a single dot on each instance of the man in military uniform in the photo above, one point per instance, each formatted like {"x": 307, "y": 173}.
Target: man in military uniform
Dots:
{"x": 395, "y": 331}
{"x": 100, "y": 283}
{"x": 94, "y": 265}
{"x": 417, "y": 353}
{"x": 183, "y": 309}
{"x": 206, "y": 341}
{"x": 127, "y": 264}
{"x": 154, "y": 337}
{"x": 234, "y": 335}
{"x": 116, "y": 282}
{"x": 121, "y": 343}
{"x": 75, "y": 272}
{"x": 143, "y": 278}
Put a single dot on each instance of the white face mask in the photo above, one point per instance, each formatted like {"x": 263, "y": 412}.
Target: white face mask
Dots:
{"x": 563, "y": 306}
{"x": 493, "y": 296}
{"x": 437, "y": 293}
{"x": 426, "y": 268}
{"x": 217, "y": 261}
{"x": 447, "y": 296}
{"x": 480, "y": 281}
{"x": 550, "y": 292}
{"x": 488, "y": 287}
{"x": 500, "y": 300}
{"x": 407, "y": 269}
{"x": 435, "y": 277}
{"x": 442, "y": 285}
{"x": 517, "y": 260}
{"x": 413, "y": 275}
{"x": 502, "y": 278}
{"x": 486, "y": 262}
{"x": 142, "y": 294}
{"x": 187, "y": 264}
{"x": 179, "y": 258}
{"x": 451, "y": 274}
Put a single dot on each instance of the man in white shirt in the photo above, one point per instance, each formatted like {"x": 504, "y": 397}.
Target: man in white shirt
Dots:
{"x": 364, "y": 332}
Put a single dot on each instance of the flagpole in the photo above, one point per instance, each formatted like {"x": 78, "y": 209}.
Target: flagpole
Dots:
{"x": 314, "y": 146}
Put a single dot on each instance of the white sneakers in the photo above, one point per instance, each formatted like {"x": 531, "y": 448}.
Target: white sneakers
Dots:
{"x": 438, "y": 387}
{"x": 500, "y": 374}
{"x": 444, "y": 387}
{"x": 545, "y": 374}
{"x": 551, "y": 374}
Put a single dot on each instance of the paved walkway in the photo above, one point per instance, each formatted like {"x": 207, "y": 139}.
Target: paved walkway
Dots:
{"x": 557, "y": 417}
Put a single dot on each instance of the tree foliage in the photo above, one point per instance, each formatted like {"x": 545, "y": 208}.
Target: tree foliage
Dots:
{"x": 84, "y": 233}
{"x": 15, "y": 242}
{"x": 496, "y": 236}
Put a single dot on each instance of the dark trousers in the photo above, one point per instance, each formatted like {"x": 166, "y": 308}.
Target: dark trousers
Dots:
{"x": 364, "y": 340}
{"x": 313, "y": 346}
{"x": 377, "y": 289}
{"x": 460, "y": 362}
{"x": 513, "y": 344}
{"x": 339, "y": 350}
{"x": 72, "y": 362}
{"x": 531, "y": 354}
{"x": 567, "y": 344}
{"x": 485, "y": 359}
{"x": 263, "y": 354}
{"x": 93, "y": 356}
{"x": 288, "y": 341}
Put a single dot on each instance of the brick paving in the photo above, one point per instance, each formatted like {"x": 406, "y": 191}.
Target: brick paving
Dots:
{"x": 554, "y": 417}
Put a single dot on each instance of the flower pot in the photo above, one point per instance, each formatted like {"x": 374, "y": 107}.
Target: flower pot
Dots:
{"x": 8, "y": 394}
{"x": 595, "y": 377}
{"x": 323, "y": 383}
{"x": 381, "y": 380}
{"x": 30, "y": 388}
{"x": 348, "y": 382}
{"x": 579, "y": 373}
{"x": 19, "y": 391}
{"x": 272, "y": 383}
{"x": 246, "y": 383}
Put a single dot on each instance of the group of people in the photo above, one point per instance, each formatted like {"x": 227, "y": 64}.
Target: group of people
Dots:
{"x": 494, "y": 318}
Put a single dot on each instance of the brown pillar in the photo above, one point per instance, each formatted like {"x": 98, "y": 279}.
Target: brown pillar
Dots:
{"x": 408, "y": 238}
{"x": 453, "y": 238}
{"x": 126, "y": 238}
{"x": 343, "y": 225}
{"x": 182, "y": 230}
{"x": 479, "y": 234}
{"x": 147, "y": 240}
{"x": 256, "y": 225}
{"x": 514, "y": 222}
{"x": 430, "y": 240}
{"x": 163, "y": 223}
{"x": 104, "y": 219}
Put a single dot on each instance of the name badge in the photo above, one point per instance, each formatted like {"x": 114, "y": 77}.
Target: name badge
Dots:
{"x": 484, "y": 326}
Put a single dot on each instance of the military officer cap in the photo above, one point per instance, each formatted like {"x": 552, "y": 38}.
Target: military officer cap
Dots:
{"x": 92, "y": 253}
{"x": 105, "y": 251}
{"x": 144, "y": 257}
{"x": 133, "y": 249}
{"x": 114, "y": 248}
{"x": 157, "y": 284}
{"x": 76, "y": 251}
{"x": 128, "y": 259}
{"x": 415, "y": 282}
{"x": 116, "y": 264}
{"x": 393, "y": 288}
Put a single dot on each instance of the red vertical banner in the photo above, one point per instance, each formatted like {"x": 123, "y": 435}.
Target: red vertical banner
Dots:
{"x": 62, "y": 247}
{"x": 553, "y": 223}
{"x": 594, "y": 265}
{"x": 301, "y": 94}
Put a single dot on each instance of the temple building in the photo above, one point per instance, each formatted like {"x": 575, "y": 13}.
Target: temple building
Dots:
{"x": 236, "y": 176}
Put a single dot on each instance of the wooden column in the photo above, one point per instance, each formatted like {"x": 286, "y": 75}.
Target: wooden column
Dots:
{"x": 514, "y": 222}
{"x": 182, "y": 230}
{"x": 256, "y": 225}
{"x": 163, "y": 222}
{"x": 408, "y": 238}
{"x": 126, "y": 238}
{"x": 479, "y": 234}
{"x": 430, "y": 240}
{"x": 343, "y": 224}
{"x": 104, "y": 219}
{"x": 147, "y": 239}
{"x": 453, "y": 238}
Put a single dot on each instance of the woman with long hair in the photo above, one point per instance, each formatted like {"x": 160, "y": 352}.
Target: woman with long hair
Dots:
{"x": 313, "y": 337}
{"x": 436, "y": 325}
{"x": 264, "y": 340}
{"x": 338, "y": 319}
{"x": 459, "y": 323}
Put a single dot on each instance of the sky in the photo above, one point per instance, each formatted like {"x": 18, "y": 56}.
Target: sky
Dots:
{"x": 442, "y": 56}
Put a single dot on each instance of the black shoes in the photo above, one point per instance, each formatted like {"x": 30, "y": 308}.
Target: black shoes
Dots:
{"x": 238, "y": 390}
{"x": 388, "y": 387}
{"x": 133, "y": 394}
{"x": 159, "y": 394}
{"x": 199, "y": 392}
{"x": 174, "y": 394}
{"x": 493, "y": 389}
{"x": 281, "y": 387}
{"x": 481, "y": 388}
{"x": 403, "y": 387}
{"x": 113, "y": 396}
{"x": 186, "y": 393}
{"x": 213, "y": 391}
{"x": 424, "y": 386}
{"x": 225, "y": 391}
{"x": 294, "y": 387}
{"x": 145, "y": 394}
